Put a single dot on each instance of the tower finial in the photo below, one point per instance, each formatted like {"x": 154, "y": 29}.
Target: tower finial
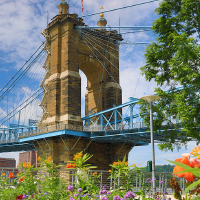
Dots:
{"x": 102, "y": 15}
{"x": 102, "y": 21}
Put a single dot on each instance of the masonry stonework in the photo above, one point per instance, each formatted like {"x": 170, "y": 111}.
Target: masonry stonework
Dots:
{"x": 62, "y": 151}
{"x": 69, "y": 52}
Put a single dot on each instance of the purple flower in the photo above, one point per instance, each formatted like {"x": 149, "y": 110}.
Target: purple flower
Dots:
{"x": 161, "y": 182}
{"x": 117, "y": 197}
{"x": 70, "y": 188}
{"x": 154, "y": 179}
{"x": 104, "y": 191}
{"x": 165, "y": 191}
{"x": 130, "y": 194}
{"x": 71, "y": 198}
{"x": 108, "y": 192}
{"x": 104, "y": 198}
{"x": 80, "y": 190}
{"x": 75, "y": 195}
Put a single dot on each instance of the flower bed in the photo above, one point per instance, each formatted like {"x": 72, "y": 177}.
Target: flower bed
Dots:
{"x": 50, "y": 186}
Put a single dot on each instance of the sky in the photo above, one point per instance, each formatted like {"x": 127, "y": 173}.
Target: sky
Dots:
{"x": 22, "y": 21}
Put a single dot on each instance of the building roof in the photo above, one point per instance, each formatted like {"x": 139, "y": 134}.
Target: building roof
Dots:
{"x": 102, "y": 19}
{"x": 62, "y": 2}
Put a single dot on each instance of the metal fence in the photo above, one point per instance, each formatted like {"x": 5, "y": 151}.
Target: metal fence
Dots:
{"x": 138, "y": 181}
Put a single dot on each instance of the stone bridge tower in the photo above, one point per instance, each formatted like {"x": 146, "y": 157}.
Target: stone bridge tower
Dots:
{"x": 69, "y": 52}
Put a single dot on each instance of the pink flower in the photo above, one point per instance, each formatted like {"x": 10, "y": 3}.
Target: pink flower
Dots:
{"x": 185, "y": 155}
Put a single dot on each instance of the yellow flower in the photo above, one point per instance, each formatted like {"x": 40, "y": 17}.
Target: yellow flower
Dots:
{"x": 109, "y": 170}
{"x": 18, "y": 174}
{"x": 3, "y": 174}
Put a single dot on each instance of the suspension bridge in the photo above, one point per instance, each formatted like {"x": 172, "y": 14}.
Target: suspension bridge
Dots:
{"x": 40, "y": 107}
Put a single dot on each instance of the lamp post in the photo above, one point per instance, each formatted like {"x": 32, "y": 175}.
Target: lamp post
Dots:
{"x": 150, "y": 99}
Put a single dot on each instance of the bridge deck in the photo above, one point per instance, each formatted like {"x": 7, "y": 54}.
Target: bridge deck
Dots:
{"x": 136, "y": 134}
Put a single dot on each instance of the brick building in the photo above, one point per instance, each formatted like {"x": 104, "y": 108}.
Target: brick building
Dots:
{"x": 7, "y": 162}
{"x": 30, "y": 156}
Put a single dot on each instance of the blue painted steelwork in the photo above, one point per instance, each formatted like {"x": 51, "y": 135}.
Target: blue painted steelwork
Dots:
{"x": 132, "y": 101}
{"x": 98, "y": 127}
{"x": 32, "y": 122}
{"x": 16, "y": 147}
{"x": 53, "y": 134}
{"x": 100, "y": 116}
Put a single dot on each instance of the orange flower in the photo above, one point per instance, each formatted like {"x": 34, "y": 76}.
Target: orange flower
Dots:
{"x": 196, "y": 151}
{"x": 11, "y": 175}
{"x": 188, "y": 175}
{"x": 21, "y": 179}
{"x": 28, "y": 164}
{"x": 77, "y": 156}
{"x": 134, "y": 165}
{"x": 109, "y": 170}
{"x": 94, "y": 174}
{"x": 24, "y": 164}
{"x": 18, "y": 174}
{"x": 39, "y": 158}
{"x": 48, "y": 159}
{"x": 115, "y": 163}
{"x": 194, "y": 162}
{"x": 70, "y": 165}
{"x": 3, "y": 174}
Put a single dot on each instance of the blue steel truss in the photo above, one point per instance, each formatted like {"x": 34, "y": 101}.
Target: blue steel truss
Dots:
{"x": 108, "y": 126}
{"x": 100, "y": 117}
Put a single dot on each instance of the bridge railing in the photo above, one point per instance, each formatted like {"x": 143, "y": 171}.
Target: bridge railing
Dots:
{"x": 127, "y": 126}
{"x": 98, "y": 128}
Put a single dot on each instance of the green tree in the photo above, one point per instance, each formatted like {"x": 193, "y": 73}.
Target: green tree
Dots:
{"x": 173, "y": 61}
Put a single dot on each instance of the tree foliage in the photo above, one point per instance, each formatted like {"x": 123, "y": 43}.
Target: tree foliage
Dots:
{"x": 162, "y": 168}
{"x": 173, "y": 61}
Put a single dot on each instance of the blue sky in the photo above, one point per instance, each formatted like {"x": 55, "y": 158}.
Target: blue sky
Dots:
{"x": 21, "y": 23}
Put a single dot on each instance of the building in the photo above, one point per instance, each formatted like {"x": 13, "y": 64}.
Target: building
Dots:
{"x": 30, "y": 156}
{"x": 7, "y": 162}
